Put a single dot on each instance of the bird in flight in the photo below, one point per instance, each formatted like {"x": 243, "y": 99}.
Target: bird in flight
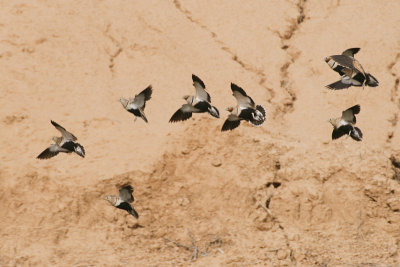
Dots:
{"x": 137, "y": 104}
{"x": 345, "y": 124}
{"x": 65, "y": 143}
{"x": 123, "y": 200}
{"x": 199, "y": 103}
{"x": 350, "y": 70}
{"x": 245, "y": 109}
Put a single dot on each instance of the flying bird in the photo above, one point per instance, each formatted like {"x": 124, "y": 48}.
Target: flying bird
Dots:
{"x": 350, "y": 70}
{"x": 245, "y": 109}
{"x": 137, "y": 104}
{"x": 65, "y": 143}
{"x": 345, "y": 124}
{"x": 199, "y": 103}
{"x": 123, "y": 200}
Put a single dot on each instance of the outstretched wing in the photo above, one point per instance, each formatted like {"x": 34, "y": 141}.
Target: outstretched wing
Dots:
{"x": 201, "y": 93}
{"x": 242, "y": 98}
{"x": 342, "y": 130}
{"x": 182, "y": 114}
{"x": 351, "y": 51}
{"x": 348, "y": 114}
{"x": 339, "y": 85}
{"x": 125, "y": 193}
{"x": 65, "y": 134}
{"x": 348, "y": 62}
{"x": 145, "y": 95}
{"x": 230, "y": 124}
{"x": 126, "y": 206}
{"x": 49, "y": 152}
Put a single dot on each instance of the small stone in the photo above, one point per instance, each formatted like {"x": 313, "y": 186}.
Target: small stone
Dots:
{"x": 282, "y": 254}
{"x": 394, "y": 204}
{"x": 183, "y": 201}
{"x": 216, "y": 163}
{"x": 185, "y": 151}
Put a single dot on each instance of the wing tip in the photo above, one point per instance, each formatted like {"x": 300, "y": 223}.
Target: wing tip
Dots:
{"x": 196, "y": 78}
{"x": 179, "y": 115}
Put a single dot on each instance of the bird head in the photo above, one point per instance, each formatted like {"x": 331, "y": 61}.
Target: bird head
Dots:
{"x": 186, "y": 97}
{"x": 230, "y": 109}
{"x": 327, "y": 59}
{"x": 112, "y": 199}
{"x": 332, "y": 121}
{"x": 123, "y": 101}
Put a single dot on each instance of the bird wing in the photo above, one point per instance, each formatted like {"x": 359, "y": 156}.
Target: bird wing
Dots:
{"x": 351, "y": 51}
{"x": 51, "y": 151}
{"x": 242, "y": 98}
{"x": 339, "y": 85}
{"x": 140, "y": 100}
{"x": 348, "y": 114}
{"x": 201, "y": 93}
{"x": 126, "y": 206}
{"x": 230, "y": 123}
{"x": 182, "y": 114}
{"x": 65, "y": 134}
{"x": 348, "y": 62}
{"x": 342, "y": 130}
{"x": 125, "y": 193}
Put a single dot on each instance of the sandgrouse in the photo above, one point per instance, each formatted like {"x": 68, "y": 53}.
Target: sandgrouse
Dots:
{"x": 199, "y": 103}
{"x": 123, "y": 200}
{"x": 244, "y": 110}
{"x": 350, "y": 70}
{"x": 66, "y": 144}
{"x": 137, "y": 104}
{"x": 345, "y": 124}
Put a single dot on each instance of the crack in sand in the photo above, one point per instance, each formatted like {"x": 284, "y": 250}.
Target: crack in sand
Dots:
{"x": 112, "y": 55}
{"x": 394, "y": 98}
{"x": 292, "y": 56}
{"x": 259, "y": 73}
{"x": 285, "y": 235}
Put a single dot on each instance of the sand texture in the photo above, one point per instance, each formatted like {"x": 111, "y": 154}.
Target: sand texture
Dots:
{"x": 200, "y": 193}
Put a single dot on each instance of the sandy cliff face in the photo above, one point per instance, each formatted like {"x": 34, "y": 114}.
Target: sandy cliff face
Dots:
{"x": 335, "y": 203}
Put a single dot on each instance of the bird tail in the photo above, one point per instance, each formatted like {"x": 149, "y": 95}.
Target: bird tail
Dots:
{"x": 213, "y": 111}
{"x": 371, "y": 80}
{"x": 143, "y": 116}
{"x": 134, "y": 213}
{"x": 258, "y": 116}
{"x": 356, "y": 134}
{"x": 78, "y": 148}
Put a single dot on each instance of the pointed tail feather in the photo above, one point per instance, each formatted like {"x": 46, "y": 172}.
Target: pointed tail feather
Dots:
{"x": 371, "y": 80}
{"x": 213, "y": 111}
{"x": 134, "y": 213}
{"x": 356, "y": 134}
{"x": 79, "y": 150}
{"x": 143, "y": 116}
